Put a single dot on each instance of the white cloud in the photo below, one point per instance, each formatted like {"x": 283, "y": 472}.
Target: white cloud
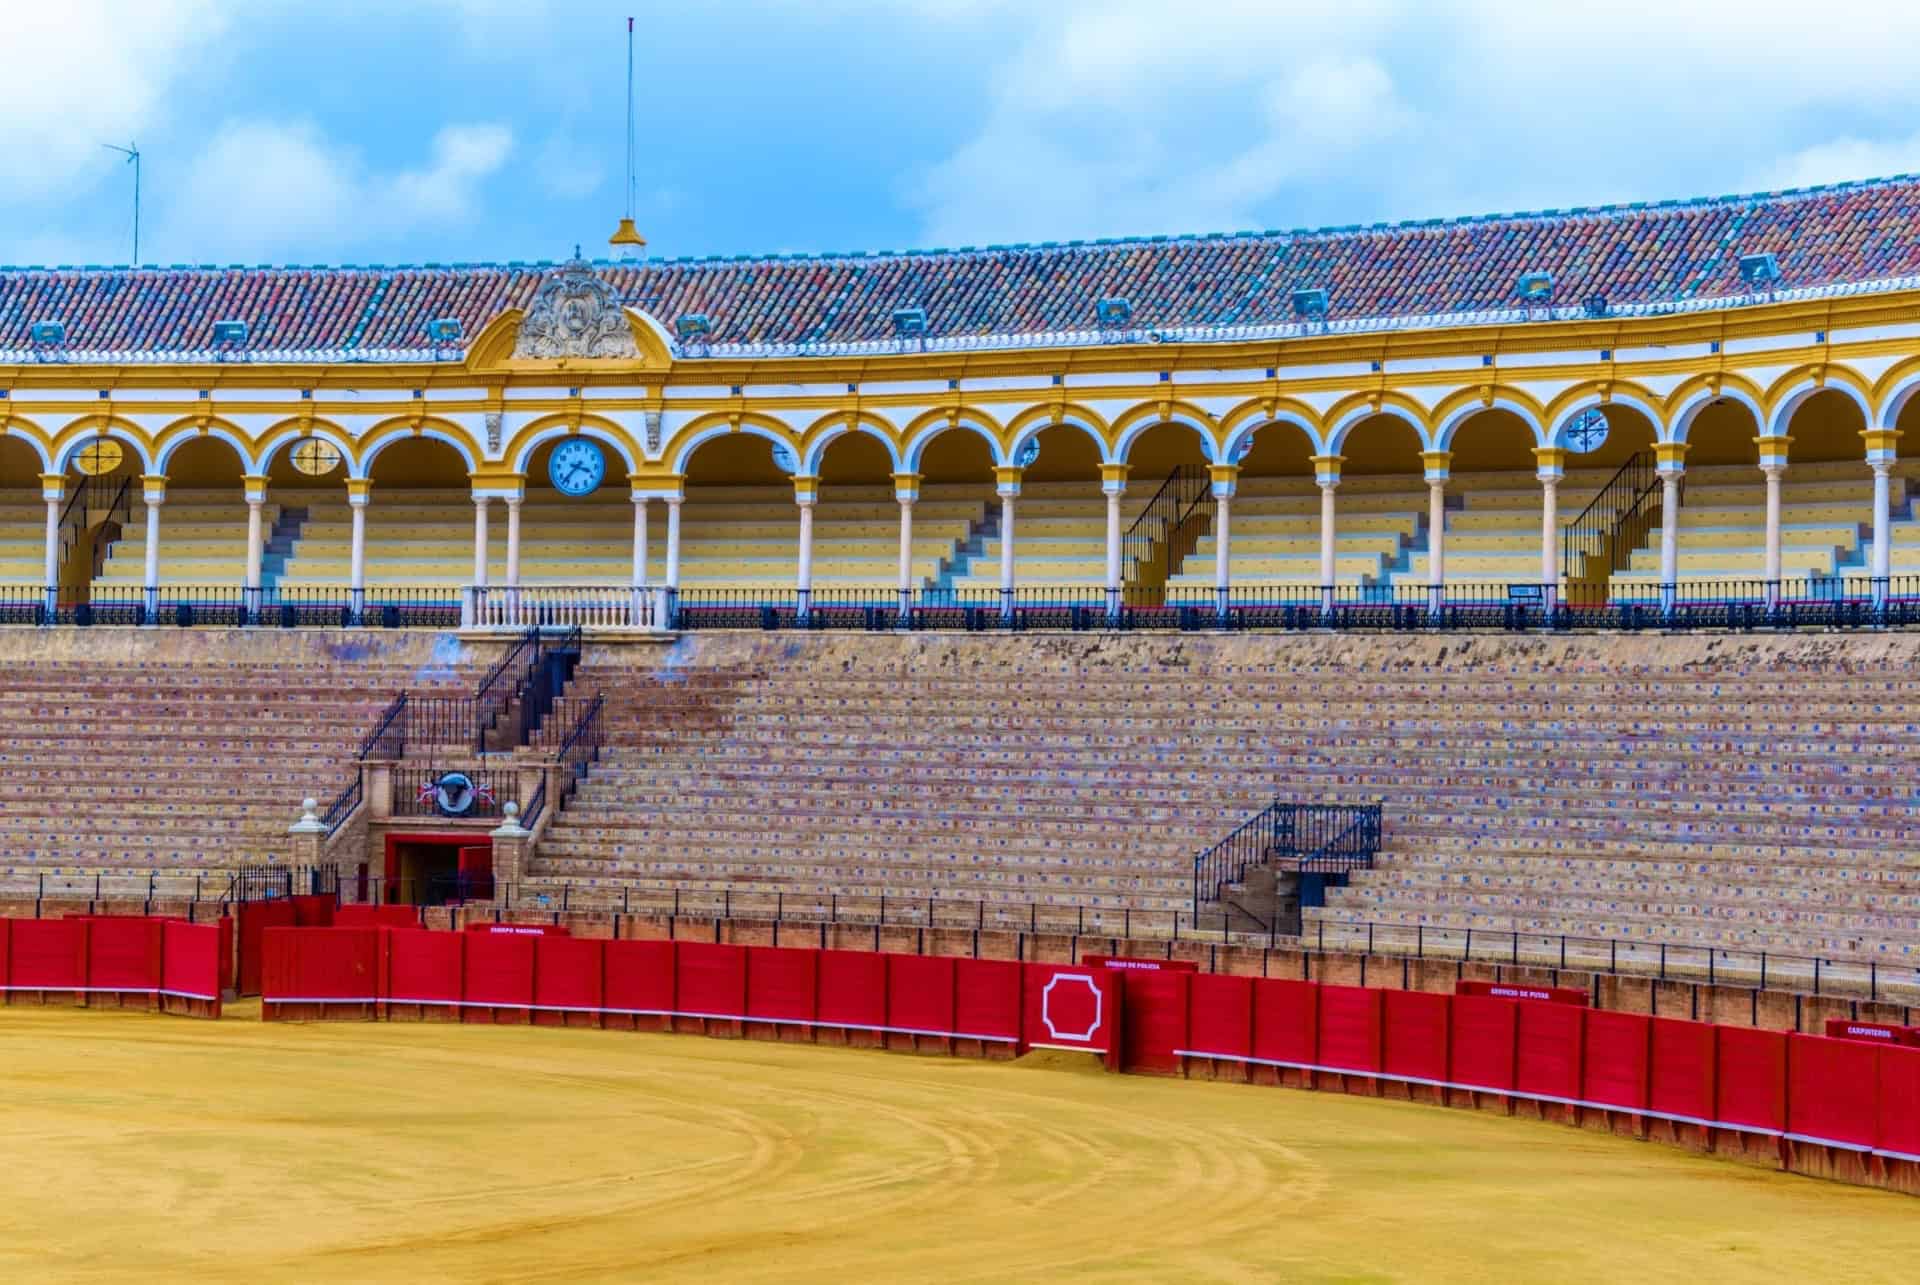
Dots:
{"x": 268, "y": 189}
{"x": 566, "y": 169}
{"x": 80, "y": 73}
{"x": 1840, "y": 159}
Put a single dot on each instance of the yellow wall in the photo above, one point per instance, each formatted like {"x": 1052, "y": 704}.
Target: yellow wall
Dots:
{"x": 957, "y": 455}
{"x": 1380, "y": 444}
{"x": 1491, "y": 441}
{"x": 856, "y": 459}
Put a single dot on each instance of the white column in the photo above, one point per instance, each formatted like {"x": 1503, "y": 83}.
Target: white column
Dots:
{"x": 1772, "y": 573}
{"x": 357, "y": 569}
{"x": 256, "y": 540}
{"x": 1222, "y": 550}
{"x": 640, "y": 505}
{"x": 803, "y": 580}
{"x": 1327, "y": 487}
{"x": 513, "y": 541}
{"x": 1669, "y": 537}
{"x": 52, "y": 581}
{"x": 1436, "y": 543}
{"x": 1550, "y": 535}
{"x": 1009, "y": 491}
{"x": 476, "y": 595}
{"x": 673, "y": 543}
{"x": 1882, "y": 563}
{"x": 906, "y": 545}
{"x": 152, "y": 580}
{"x": 1113, "y": 543}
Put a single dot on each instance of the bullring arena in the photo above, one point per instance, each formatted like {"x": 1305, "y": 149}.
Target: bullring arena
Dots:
{"x": 1380, "y": 752}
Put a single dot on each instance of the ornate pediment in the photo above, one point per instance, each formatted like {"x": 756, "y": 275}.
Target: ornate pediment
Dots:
{"x": 575, "y": 314}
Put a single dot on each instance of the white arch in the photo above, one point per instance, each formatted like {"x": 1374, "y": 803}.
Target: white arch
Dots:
{"x": 707, "y": 434}
{"x": 1067, "y": 420}
{"x": 40, "y": 451}
{"x": 1807, "y": 390}
{"x": 1896, "y": 403}
{"x": 238, "y": 444}
{"x": 1443, "y": 440}
{"x": 1337, "y": 436}
{"x": 810, "y": 462}
{"x": 65, "y": 457}
{"x": 1557, "y": 437}
{"x": 363, "y": 468}
{"x": 1280, "y": 418}
{"x": 1690, "y": 409}
{"x": 917, "y": 447}
{"x": 586, "y": 429}
{"x": 1124, "y": 447}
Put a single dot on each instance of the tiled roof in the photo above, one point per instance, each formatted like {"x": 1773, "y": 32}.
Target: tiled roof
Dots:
{"x": 1670, "y": 256}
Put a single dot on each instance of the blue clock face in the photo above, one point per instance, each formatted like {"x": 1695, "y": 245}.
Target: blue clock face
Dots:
{"x": 1588, "y": 431}
{"x": 577, "y": 467}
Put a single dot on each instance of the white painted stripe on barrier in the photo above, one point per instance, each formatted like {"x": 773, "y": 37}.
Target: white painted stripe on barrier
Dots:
{"x": 317, "y": 999}
{"x": 1069, "y": 1048}
{"x": 107, "y": 990}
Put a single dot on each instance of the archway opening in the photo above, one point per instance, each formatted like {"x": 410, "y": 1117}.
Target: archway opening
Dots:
{"x": 419, "y": 522}
{"x": 1493, "y": 536}
{"x": 23, "y": 515}
{"x": 572, "y": 535}
{"x": 203, "y": 524}
{"x": 1826, "y": 429}
{"x": 856, "y": 519}
{"x": 739, "y": 526}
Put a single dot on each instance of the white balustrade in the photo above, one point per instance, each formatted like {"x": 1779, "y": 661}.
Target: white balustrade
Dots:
{"x": 590, "y": 606}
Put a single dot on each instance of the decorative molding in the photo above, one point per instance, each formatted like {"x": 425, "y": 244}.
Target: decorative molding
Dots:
{"x": 575, "y": 314}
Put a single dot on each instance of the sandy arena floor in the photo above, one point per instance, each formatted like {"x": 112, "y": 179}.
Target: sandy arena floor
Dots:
{"x": 143, "y": 1147}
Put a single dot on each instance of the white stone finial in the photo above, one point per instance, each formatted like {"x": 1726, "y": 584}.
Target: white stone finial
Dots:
{"x": 511, "y": 828}
{"x": 309, "y": 822}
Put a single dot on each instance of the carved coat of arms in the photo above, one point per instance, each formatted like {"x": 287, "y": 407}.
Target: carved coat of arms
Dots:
{"x": 575, "y": 314}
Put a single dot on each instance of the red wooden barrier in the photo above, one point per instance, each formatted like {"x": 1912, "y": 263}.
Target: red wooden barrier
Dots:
{"x": 1155, "y": 1026}
{"x": 782, "y": 984}
{"x": 1549, "y": 1060}
{"x": 307, "y": 971}
{"x": 123, "y": 954}
{"x": 1897, "y": 1128}
{"x": 567, "y": 975}
{"x": 1220, "y": 1016}
{"x": 1752, "y": 1078}
{"x": 853, "y": 989}
{"x": 986, "y": 1000}
{"x": 190, "y": 966}
{"x": 1514, "y": 990}
{"x": 1832, "y": 1090}
{"x": 1484, "y": 1037}
{"x": 48, "y": 955}
{"x": 425, "y": 968}
{"x": 256, "y": 918}
{"x": 1285, "y": 1022}
{"x": 710, "y": 980}
{"x": 1415, "y": 1035}
{"x": 638, "y": 980}
{"x": 920, "y": 994}
{"x": 499, "y": 976}
{"x": 1683, "y": 1070}
{"x": 1350, "y": 1028}
{"x": 1615, "y": 1059}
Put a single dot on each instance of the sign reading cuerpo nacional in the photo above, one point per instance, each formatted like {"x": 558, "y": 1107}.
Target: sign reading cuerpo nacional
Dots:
{"x": 575, "y": 314}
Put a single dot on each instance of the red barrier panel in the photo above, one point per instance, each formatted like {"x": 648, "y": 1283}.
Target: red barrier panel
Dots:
{"x": 320, "y": 966}
{"x": 710, "y": 979}
{"x": 1155, "y": 1006}
{"x": 1840, "y": 1028}
{"x": 1126, "y": 964}
{"x": 48, "y": 955}
{"x": 639, "y": 977}
{"x": 986, "y": 999}
{"x": 1068, "y": 1007}
{"x": 1682, "y": 1073}
{"x": 1614, "y": 1059}
{"x": 6, "y": 948}
{"x": 1414, "y": 1027}
{"x": 1513, "y": 990}
{"x": 1485, "y": 1035}
{"x": 424, "y": 967}
{"x": 256, "y": 917}
{"x": 1898, "y": 1125}
{"x": 365, "y": 916}
{"x": 190, "y": 960}
{"x": 520, "y": 930}
{"x": 1350, "y": 1028}
{"x": 1220, "y": 1015}
{"x": 921, "y": 993}
{"x": 782, "y": 984}
{"x": 499, "y": 972}
{"x": 853, "y": 989}
{"x": 123, "y": 954}
{"x": 314, "y": 911}
{"x": 1752, "y": 1077}
{"x": 1286, "y": 1021}
{"x": 1548, "y": 1062}
{"x": 566, "y": 973}
{"x": 1831, "y": 1089}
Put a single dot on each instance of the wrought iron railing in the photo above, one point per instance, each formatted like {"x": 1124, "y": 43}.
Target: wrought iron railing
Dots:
{"x": 1311, "y": 838}
{"x": 1601, "y": 539}
{"x": 388, "y": 740}
{"x": 417, "y": 793}
{"x": 1146, "y": 546}
{"x": 580, "y": 750}
{"x": 342, "y": 806}
{"x": 535, "y": 806}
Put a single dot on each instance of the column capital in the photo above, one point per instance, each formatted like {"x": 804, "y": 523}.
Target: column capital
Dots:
{"x": 1438, "y": 465}
{"x": 1225, "y": 478}
{"x": 1773, "y": 449}
{"x": 153, "y": 488}
{"x": 53, "y": 486}
{"x": 256, "y": 488}
{"x": 513, "y": 501}
{"x": 641, "y": 497}
{"x": 1113, "y": 478}
{"x": 1881, "y": 467}
{"x": 806, "y": 489}
{"x": 1550, "y": 462}
{"x": 657, "y": 486}
{"x": 906, "y": 487}
{"x": 1670, "y": 457}
{"x": 1006, "y": 479}
{"x": 1326, "y": 469}
{"x": 359, "y": 490}
{"x": 1882, "y": 443}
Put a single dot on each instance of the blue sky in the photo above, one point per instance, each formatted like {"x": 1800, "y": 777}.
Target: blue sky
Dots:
{"x": 444, "y": 130}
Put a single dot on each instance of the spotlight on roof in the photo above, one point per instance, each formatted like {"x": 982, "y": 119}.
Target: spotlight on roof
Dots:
{"x": 229, "y": 332}
{"x": 1113, "y": 311}
{"x": 444, "y": 330}
{"x": 1595, "y": 305}
{"x": 693, "y": 325}
{"x": 1310, "y": 305}
{"x": 1535, "y": 287}
{"x": 50, "y": 334}
{"x": 1759, "y": 269}
{"x": 909, "y": 322}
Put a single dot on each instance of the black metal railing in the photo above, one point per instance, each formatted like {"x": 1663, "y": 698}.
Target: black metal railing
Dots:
{"x": 1145, "y": 545}
{"x": 580, "y": 749}
{"x": 388, "y": 740}
{"x": 425, "y": 792}
{"x": 1316, "y": 838}
{"x": 1614, "y": 522}
{"x": 441, "y": 725}
{"x": 342, "y": 806}
{"x": 535, "y": 806}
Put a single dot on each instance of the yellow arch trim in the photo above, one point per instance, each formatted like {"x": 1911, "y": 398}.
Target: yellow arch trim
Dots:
{"x": 1264, "y": 409}
{"x": 268, "y": 444}
{"x": 198, "y": 426}
{"x": 97, "y": 425}
{"x": 388, "y": 430}
{"x": 1606, "y": 391}
{"x": 21, "y": 426}
{"x": 528, "y": 431}
{"x": 1374, "y": 402}
{"x": 1486, "y": 394}
{"x": 1825, "y": 375}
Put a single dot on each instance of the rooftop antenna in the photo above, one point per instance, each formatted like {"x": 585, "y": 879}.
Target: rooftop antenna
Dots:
{"x": 627, "y": 237}
{"x": 133, "y": 158}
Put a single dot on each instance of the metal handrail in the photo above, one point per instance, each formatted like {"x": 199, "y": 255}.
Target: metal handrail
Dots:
{"x": 393, "y": 712}
{"x": 1307, "y": 837}
{"x": 342, "y": 806}
{"x": 1594, "y": 531}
